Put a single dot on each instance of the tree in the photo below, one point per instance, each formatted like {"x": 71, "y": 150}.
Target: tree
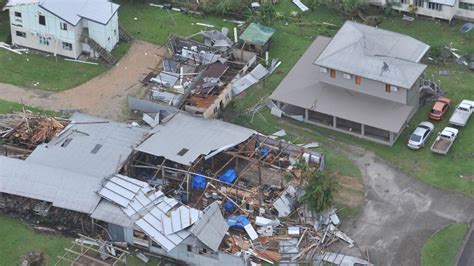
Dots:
{"x": 319, "y": 190}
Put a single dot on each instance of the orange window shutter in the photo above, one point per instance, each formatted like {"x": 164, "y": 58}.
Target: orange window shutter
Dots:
{"x": 357, "y": 80}
{"x": 387, "y": 88}
{"x": 333, "y": 73}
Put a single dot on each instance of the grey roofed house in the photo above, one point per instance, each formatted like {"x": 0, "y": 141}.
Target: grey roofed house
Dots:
{"x": 211, "y": 227}
{"x": 65, "y": 189}
{"x": 376, "y": 54}
{"x": 339, "y": 83}
{"x": 90, "y": 145}
{"x": 184, "y": 138}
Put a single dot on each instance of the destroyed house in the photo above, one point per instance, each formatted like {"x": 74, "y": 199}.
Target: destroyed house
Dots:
{"x": 67, "y": 28}
{"x": 364, "y": 81}
{"x": 193, "y": 189}
{"x": 197, "y": 77}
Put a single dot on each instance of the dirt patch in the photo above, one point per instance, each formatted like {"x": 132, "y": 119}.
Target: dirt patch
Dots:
{"x": 33, "y": 258}
{"x": 105, "y": 95}
{"x": 350, "y": 191}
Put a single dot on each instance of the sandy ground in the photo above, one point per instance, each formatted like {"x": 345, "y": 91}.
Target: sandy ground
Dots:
{"x": 105, "y": 95}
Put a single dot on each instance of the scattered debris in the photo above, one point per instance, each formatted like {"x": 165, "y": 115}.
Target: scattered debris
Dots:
{"x": 300, "y": 5}
{"x": 279, "y": 134}
{"x": 467, "y": 27}
{"x": 142, "y": 257}
{"x": 408, "y": 18}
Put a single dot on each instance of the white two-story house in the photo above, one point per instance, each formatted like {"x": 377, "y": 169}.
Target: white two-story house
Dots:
{"x": 68, "y": 28}
{"x": 441, "y": 9}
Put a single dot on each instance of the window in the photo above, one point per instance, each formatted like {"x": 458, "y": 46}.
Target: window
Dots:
{"x": 333, "y": 73}
{"x": 357, "y": 80}
{"x": 67, "y": 46}
{"x": 21, "y": 34}
{"x": 42, "y": 20}
{"x": 189, "y": 248}
{"x": 63, "y": 25}
{"x": 388, "y": 88}
{"x": 403, "y": 1}
{"x": 18, "y": 14}
{"x": 466, "y": 6}
{"x": 435, "y": 6}
{"x": 43, "y": 40}
{"x": 418, "y": 3}
{"x": 346, "y": 76}
{"x": 323, "y": 70}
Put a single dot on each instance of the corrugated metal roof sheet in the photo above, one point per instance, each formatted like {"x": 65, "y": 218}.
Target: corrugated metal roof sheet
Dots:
{"x": 116, "y": 142}
{"x": 73, "y": 10}
{"x": 65, "y": 189}
{"x": 211, "y": 227}
{"x": 160, "y": 217}
{"x": 257, "y": 34}
{"x": 185, "y": 137}
{"x": 111, "y": 213}
{"x": 375, "y": 54}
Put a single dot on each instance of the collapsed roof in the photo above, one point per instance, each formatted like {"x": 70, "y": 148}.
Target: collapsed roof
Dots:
{"x": 185, "y": 137}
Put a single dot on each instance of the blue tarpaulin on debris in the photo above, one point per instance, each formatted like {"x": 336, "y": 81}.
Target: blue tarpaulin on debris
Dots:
{"x": 229, "y": 206}
{"x": 264, "y": 151}
{"x": 237, "y": 221}
{"x": 229, "y": 176}
{"x": 199, "y": 182}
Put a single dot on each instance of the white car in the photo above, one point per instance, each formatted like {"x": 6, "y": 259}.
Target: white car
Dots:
{"x": 418, "y": 138}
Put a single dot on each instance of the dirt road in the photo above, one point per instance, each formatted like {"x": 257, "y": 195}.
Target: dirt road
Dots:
{"x": 400, "y": 213}
{"x": 104, "y": 95}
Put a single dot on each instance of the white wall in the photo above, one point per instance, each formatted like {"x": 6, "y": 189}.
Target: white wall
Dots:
{"x": 446, "y": 13}
{"x": 367, "y": 86}
{"x": 105, "y": 35}
{"x": 29, "y": 23}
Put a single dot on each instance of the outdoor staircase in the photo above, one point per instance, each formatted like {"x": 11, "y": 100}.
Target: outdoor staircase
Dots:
{"x": 104, "y": 54}
{"x": 125, "y": 36}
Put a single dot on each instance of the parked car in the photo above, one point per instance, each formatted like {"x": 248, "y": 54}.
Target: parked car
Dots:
{"x": 462, "y": 113}
{"x": 419, "y": 136}
{"x": 440, "y": 108}
{"x": 445, "y": 140}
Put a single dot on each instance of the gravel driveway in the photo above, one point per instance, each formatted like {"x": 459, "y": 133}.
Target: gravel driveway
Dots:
{"x": 104, "y": 95}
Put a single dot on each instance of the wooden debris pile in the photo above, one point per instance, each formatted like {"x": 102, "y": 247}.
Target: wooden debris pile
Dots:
{"x": 29, "y": 130}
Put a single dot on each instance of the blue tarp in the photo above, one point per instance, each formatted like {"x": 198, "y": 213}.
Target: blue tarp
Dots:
{"x": 237, "y": 221}
{"x": 229, "y": 206}
{"x": 199, "y": 182}
{"x": 229, "y": 176}
{"x": 264, "y": 151}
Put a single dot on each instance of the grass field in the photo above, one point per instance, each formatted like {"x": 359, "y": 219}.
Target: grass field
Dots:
{"x": 46, "y": 71}
{"x": 18, "y": 240}
{"x": 442, "y": 247}
{"x": 454, "y": 171}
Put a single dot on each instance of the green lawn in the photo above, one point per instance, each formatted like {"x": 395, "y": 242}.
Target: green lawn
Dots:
{"x": 290, "y": 41}
{"x": 46, "y": 71}
{"x": 155, "y": 25}
{"x": 18, "y": 240}
{"x": 442, "y": 247}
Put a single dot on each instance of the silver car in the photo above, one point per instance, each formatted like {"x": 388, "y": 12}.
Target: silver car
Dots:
{"x": 420, "y": 135}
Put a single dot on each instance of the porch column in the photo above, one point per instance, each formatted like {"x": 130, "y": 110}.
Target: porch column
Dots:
{"x": 306, "y": 114}
{"x": 391, "y": 138}
{"x": 362, "y": 129}
{"x": 334, "y": 121}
